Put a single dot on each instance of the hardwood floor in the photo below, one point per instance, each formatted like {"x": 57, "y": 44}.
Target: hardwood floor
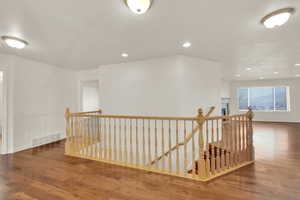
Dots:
{"x": 45, "y": 173}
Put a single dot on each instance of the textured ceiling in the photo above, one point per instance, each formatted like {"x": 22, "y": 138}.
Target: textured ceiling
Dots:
{"x": 87, "y": 34}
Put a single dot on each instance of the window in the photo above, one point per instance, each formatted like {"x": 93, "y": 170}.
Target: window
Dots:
{"x": 264, "y": 98}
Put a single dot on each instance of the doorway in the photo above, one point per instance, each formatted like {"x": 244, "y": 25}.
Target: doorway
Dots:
{"x": 89, "y": 98}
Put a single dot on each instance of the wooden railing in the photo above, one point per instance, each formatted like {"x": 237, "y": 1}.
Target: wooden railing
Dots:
{"x": 200, "y": 147}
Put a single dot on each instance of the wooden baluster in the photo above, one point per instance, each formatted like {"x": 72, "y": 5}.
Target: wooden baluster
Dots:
{"x": 125, "y": 141}
{"x": 177, "y": 149}
{"x": 130, "y": 140}
{"x": 149, "y": 141}
{"x": 115, "y": 140}
{"x": 223, "y": 146}
{"x": 109, "y": 140}
{"x": 234, "y": 140}
{"x": 79, "y": 133}
{"x": 84, "y": 139}
{"x": 242, "y": 138}
{"x": 96, "y": 122}
{"x": 212, "y": 154}
{"x": 105, "y": 138}
{"x": 94, "y": 139}
{"x": 87, "y": 141}
{"x": 202, "y": 172}
{"x": 170, "y": 146}
{"x": 162, "y": 145}
{"x": 120, "y": 140}
{"x": 155, "y": 142}
{"x": 231, "y": 143}
{"x": 251, "y": 147}
{"x": 218, "y": 158}
{"x": 67, "y": 121}
{"x": 239, "y": 141}
{"x": 78, "y": 136}
{"x": 144, "y": 150}
{"x": 89, "y": 137}
{"x": 245, "y": 137}
{"x": 101, "y": 139}
{"x": 207, "y": 150}
{"x": 137, "y": 159}
{"x": 226, "y": 143}
{"x": 71, "y": 135}
{"x": 185, "y": 148}
{"x": 193, "y": 153}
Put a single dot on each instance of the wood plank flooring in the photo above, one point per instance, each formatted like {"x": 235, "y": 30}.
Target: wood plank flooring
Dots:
{"x": 45, "y": 173}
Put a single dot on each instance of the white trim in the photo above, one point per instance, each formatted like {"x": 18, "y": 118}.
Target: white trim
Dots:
{"x": 4, "y": 142}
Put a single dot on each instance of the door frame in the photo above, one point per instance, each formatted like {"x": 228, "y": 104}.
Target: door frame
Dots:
{"x": 4, "y": 142}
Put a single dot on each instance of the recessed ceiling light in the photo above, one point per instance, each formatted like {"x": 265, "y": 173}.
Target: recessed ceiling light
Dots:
{"x": 297, "y": 64}
{"x": 277, "y": 18}
{"x": 186, "y": 44}
{"x": 276, "y": 72}
{"x": 138, "y": 6}
{"x": 238, "y": 75}
{"x": 14, "y": 42}
{"x": 248, "y": 68}
{"x": 124, "y": 55}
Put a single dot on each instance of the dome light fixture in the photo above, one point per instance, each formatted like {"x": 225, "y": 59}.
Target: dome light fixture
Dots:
{"x": 138, "y": 6}
{"x": 186, "y": 45}
{"x": 14, "y": 42}
{"x": 124, "y": 55}
{"x": 277, "y": 18}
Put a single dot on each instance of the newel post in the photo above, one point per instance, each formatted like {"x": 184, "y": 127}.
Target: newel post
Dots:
{"x": 201, "y": 163}
{"x": 250, "y": 115}
{"x": 67, "y": 119}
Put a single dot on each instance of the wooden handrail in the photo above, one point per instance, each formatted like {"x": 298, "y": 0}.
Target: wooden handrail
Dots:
{"x": 189, "y": 137}
{"x": 134, "y": 117}
{"x": 90, "y": 112}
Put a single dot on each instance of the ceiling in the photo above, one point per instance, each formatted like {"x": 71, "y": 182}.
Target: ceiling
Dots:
{"x": 86, "y": 34}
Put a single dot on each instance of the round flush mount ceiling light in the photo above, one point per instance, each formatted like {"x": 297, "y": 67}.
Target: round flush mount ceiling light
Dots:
{"x": 14, "y": 42}
{"x": 186, "y": 44}
{"x": 138, "y": 6}
{"x": 124, "y": 55}
{"x": 277, "y": 18}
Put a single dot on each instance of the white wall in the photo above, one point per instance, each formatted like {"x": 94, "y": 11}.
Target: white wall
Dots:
{"x": 292, "y": 116}
{"x": 175, "y": 86}
{"x": 225, "y": 89}
{"x": 39, "y": 95}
